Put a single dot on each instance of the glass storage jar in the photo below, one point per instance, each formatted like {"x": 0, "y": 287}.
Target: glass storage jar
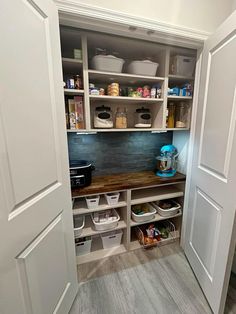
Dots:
{"x": 121, "y": 118}
{"x": 103, "y": 118}
{"x": 143, "y": 118}
{"x": 181, "y": 115}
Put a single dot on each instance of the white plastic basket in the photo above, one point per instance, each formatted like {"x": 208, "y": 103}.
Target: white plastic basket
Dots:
{"x": 182, "y": 65}
{"x": 92, "y": 201}
{"x": 107, "y": 63}
{"x": 167, "y": 212}
{"x": 145, "y": 67}
{"x": 145, "y": 217}
{"x": 79, "y": 222}
{"x": 112, "y": 198}
{"x": 83, "y": 247}
{"x": 111, "y": 239}
{"x": 106, "y": 225}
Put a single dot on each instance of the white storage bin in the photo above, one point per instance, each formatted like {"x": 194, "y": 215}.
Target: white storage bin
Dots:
{"x": 146, "y": 216}
{"x": 112, "y": 198}
{"x": 92, "y": 201}
{"x": 182, "y": 65}
{"x": 107, "y": 63}
{"x": 106, "y": 225}
{"x": 111, "y": 239}
{"x": 79, "y": 222}
{"x": 167, "y": 212}
{"x": 144, "y": 67}
{"x": 83, "y": 247}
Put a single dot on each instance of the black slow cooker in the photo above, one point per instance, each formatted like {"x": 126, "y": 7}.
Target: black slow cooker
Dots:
{"x": 80, "y": 173}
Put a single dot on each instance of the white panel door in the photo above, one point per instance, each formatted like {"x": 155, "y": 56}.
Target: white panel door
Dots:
{"x": 38, "y": 268}
{"x": 212, "y": 200}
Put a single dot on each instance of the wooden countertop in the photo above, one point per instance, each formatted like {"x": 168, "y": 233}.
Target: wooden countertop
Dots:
{"x": 125, "y": 181}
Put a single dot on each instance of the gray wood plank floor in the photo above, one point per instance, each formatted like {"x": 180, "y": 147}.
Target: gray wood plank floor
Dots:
{"x": 140, "y": 282}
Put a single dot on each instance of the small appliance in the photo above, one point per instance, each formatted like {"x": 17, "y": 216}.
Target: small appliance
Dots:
{"x": 167, "y": 161}
{"x": 80, "y": 173}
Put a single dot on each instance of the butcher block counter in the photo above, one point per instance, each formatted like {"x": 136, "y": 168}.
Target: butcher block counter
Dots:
{"x": 125, "y": 181}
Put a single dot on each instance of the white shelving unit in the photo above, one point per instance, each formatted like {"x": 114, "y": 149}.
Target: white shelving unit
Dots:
{"x": 128, "y": 50}
{"x": 127, "y": 199}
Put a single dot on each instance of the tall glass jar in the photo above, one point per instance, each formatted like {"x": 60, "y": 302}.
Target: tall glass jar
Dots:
{"x": 121, "y": 118}
{"x": 171, "y": 115}
{"x": 181, "y": 115}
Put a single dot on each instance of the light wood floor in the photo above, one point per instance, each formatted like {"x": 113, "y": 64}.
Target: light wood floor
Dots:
{"x": 141, "y": 282}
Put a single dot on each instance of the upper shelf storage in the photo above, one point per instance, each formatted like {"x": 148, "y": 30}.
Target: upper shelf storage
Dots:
{"x": 131, "y": 78}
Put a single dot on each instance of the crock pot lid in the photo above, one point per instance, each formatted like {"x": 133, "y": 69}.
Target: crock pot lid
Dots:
{"x": 75, "y": 164}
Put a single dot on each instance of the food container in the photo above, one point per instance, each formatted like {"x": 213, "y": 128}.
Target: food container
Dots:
{"x": 108, "y": 221}
{"x": 182, "y": 65}
{"x": 145, "y": 67}
{"x": 107, "y": 63}
{"x": 143, "y": 212}
{"x": 83, "y": 246}
{"x": 92, "y": 201}
{"x": 113, "y": 89}
{"x": 181, "y": 117}
{"x": 112, "y": 198}
{"x": 111, "y": 239}
{"x": 103, "y": 117}
{"x": 143, "y": 118}
{"x": 167, "y": 208}
{"x": 79, "y": 222}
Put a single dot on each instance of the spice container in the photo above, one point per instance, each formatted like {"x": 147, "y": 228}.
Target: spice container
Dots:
{"x": 103, "y": 117}
{"x": 171, "y": 115}
{"x": 146, "y": 91}
{"x": 143, "y": 118}
{"x": 181, "y": 115}
{"x": 70, "y": 83}
{"x": 121, "y": 118}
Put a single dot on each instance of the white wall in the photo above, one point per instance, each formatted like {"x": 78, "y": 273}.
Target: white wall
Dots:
{"x": 203, "y": 15}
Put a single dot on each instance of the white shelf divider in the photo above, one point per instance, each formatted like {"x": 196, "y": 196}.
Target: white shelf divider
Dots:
{"x": 157, "y": 218}
{"x": 179, "y": 97}
{"x": 80, "y": 206}
{"x": 126, "y": 99}
{"x": 89, "y": 230}
{"x": 154, "y": 194}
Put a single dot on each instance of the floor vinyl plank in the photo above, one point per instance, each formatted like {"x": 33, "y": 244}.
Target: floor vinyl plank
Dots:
{"x": 158, "y": 281}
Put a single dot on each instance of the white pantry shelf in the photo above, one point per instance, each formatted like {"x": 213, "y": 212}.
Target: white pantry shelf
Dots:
{"x": 89, "y": 230}
{"x": 154, "y": 194}
{"x": 180, "y": 78}
{"x": 80, "y": 206}
{"x": 68, "y": 91}
{"x": 157, "y": 218}
{"x": 98, "y": 254}
{"x": 179, "y": 97}
{"x": 116, "y": 99}
{"x": 122, "y": 78}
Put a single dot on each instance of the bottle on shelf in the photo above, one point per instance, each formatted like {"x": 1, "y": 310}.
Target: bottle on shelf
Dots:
{"x": 171, "y": 115}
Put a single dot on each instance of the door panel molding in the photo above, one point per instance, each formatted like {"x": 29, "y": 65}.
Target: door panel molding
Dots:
{"x": 199, "y": 232}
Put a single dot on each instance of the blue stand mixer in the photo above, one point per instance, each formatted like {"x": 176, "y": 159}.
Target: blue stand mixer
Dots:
{"x": 167, "y": 161}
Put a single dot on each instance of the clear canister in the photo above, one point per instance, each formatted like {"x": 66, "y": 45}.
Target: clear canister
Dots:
{"x": 181, "y": 117}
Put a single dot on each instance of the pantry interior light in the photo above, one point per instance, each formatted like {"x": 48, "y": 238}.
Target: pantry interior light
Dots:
{"x": 86, "y": 133}
{"x": 153, "y": 132}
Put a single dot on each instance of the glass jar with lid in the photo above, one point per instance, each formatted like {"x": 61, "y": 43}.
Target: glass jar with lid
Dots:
{"x": 103, "y": 117}
{"x": 143, "y": 118}
{"x": 181, "y": 115}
